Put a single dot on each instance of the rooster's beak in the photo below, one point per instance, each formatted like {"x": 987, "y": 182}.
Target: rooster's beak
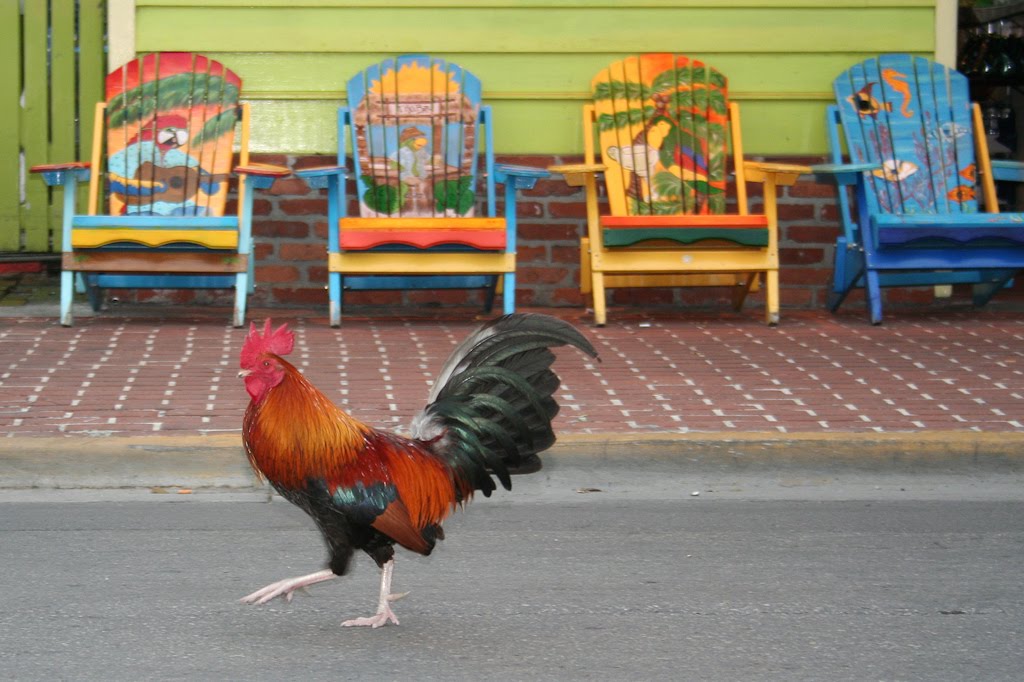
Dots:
{"x": 244, "y": 373}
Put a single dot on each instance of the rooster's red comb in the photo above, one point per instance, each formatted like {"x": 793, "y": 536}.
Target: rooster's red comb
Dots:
{"x": 279, "y": 342}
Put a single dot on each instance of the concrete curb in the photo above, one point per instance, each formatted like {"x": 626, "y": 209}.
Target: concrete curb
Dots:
{"x": 219, "y": 461}
{"x": 124, "y": 462}
{"x": 766, "y": 453}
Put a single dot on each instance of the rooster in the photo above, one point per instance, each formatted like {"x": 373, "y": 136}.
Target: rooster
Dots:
{"x": 489, "y": 414}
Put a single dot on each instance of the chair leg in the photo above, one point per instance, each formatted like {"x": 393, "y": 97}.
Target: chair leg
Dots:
{"x": 67, "y": 292}
{"x": 740, "y": 291}
{"x": 252, "y": 268}
{"x": 874, "y": 288}
{"x": 983, "y": 292}
{"x": 508, "y": 293}
{"x": 489, "y": 293}
{"x": 334, "y": 297}
{"x": 94, "y": 293}
{"x": 771, "y": 308}
{"x": 600, "y": 306}
{"x": 241, "y": 291}
{"x": 849, "y": 268}
{"x": 835, "y": 299}
{"x": 585, "y": 279}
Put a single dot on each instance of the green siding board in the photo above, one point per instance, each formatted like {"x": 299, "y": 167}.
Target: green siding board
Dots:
{"x": 773, "y": 127}
{"x": 92, "y": 68}
{"x": 784, "y": 127}
{"x": 62, "y": 70}
{"x": 63, "y": 112}
{"x": 541, "y": 4}
{"x": 92, "y": 71}
{"x": 751, "y": 75}
{"x": 549, "y": 31}
{"x": 535, "y": 58}
{"x": 34, "y": 139}
{"x": 10, "y": 93}
{"x": 299, "y": 127}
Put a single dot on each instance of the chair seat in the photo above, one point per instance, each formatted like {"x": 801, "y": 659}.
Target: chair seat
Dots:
{"x": 96, "y": 238}
{"x": 745, "y": 230}
{"x": 152, "y": 261}
{"x": 957, "y": 228}
{"x": 360, "y": 234}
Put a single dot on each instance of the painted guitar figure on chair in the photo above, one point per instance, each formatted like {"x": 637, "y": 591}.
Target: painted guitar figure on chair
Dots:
{"x": 169, "y": 137}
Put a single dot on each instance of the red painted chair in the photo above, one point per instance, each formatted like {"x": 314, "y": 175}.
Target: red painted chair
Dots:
{"x": 417, "y": 126}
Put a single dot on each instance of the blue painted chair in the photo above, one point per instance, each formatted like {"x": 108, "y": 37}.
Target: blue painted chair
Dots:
{"x": 918, "y": 162}
{"x": 162, "y": 160}
{"x": 417, "y": 126}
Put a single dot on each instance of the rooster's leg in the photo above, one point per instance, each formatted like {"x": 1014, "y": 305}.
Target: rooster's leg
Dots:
{"x": 287, "y": 587}
{"x": 384, "y": 613}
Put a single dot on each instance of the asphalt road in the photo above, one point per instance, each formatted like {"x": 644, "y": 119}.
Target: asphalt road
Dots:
{"x": 759, "y": 578}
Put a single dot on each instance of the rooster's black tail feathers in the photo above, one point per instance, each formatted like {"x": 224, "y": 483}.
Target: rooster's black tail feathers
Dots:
{"x": 490, "y": 411}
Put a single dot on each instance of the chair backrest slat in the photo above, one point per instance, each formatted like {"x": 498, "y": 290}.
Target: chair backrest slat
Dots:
{"x": 170, "y": 131}
{"x": 913, "y": 117}
{"x": 415, "y": 123}
{"x": 663, "y": 131}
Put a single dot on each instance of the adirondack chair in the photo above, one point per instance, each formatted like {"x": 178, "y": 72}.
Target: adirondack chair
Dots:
{"x": 918, "y": 162}
{"x": 416, "y": 125}
{"x": 165, "y": 133}
{"x": 663, "y": 127}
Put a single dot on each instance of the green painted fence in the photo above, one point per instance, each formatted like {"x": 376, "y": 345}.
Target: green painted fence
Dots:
{"x": 536, "y": 57}
{"x": 51, "y": 76}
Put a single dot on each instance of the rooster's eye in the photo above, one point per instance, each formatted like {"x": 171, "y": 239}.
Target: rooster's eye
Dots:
{"x": 266, "y": 363}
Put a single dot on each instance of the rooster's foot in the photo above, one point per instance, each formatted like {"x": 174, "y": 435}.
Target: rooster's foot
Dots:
{"x": 286, "y": 588}
{"x": 382, "y": 617}
{"x": 384, "y": 613}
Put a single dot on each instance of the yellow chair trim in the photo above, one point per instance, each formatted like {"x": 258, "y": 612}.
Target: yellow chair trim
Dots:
{"x": 455, "y": 263}
{"x": 94, "y": 238}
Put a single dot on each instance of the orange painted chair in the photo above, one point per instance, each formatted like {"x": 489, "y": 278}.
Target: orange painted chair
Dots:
{"x": 659, "y": 128}
{"x": 161, "y": 163}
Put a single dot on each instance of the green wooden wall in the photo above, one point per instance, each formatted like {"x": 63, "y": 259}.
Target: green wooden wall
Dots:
{"x": 51, "y": 76}
{"x": 536, "y": 57}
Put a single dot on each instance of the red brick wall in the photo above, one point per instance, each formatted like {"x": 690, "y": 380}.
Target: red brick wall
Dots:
{"x": 291, "y": 230}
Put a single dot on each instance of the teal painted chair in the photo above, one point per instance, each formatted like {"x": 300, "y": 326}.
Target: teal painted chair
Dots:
{"x": 417, "y": 128}
{"x": 919, "y": 172}
{"x": 161, "y": 163}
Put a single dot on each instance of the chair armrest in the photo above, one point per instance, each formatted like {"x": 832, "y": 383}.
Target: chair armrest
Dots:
{"x": 519, "y": 177}
{"x": 264, "y": 170}
{"x": 261, "y": 175}
{"x": 784, "y": 173}
{"x": 1005, "y": 169}
{"x": 318, "y": 176}
{"x": 575, "y": 174}
{"x": 54, "y": 173}
{"x": 842, "y": 173}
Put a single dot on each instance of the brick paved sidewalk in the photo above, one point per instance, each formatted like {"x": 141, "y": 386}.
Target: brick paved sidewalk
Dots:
{"x": 815, "y": 373}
